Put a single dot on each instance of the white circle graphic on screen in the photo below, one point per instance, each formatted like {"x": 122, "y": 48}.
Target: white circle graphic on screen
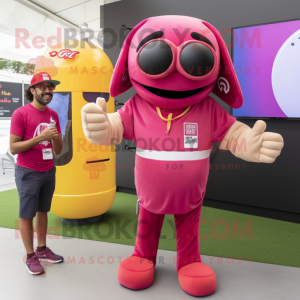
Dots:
{"x": 286, "y": 76}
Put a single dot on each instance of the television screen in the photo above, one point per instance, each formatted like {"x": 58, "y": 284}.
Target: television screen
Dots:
{"x": 267, "y": 62}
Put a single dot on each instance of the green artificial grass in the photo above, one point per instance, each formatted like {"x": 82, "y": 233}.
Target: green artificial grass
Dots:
{"x": 222, "y": 233}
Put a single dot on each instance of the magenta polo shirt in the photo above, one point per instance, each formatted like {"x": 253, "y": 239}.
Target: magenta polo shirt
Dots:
{"x": 171, "y": 169}
{"x": 29, "y": 122}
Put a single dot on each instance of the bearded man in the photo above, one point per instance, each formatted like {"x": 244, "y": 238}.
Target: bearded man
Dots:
{"x": 35, "y": 133}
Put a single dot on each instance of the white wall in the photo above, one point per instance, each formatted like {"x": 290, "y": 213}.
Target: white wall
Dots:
{"x": 4, "y": 135}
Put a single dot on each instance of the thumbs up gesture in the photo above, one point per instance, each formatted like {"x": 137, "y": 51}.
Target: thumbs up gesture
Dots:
{"x": 95, "y": 122}
{"x": 261, "y": 146}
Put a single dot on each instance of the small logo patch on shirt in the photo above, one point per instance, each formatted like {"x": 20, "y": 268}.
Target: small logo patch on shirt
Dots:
{"x": 41, "y": 127}
{"x": 190, "y": 135}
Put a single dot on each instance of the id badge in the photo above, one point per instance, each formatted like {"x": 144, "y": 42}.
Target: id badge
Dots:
{"x": 47, "y": 153}
{"x": 190, "y": 135}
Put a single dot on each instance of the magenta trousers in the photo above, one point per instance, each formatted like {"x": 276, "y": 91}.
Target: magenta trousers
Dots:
{"x": 187, "y": 234}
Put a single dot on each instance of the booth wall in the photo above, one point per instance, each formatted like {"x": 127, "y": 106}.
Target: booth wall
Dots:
{"x": 267, "y": 189}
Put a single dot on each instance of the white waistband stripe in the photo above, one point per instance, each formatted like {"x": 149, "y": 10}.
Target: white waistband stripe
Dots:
{"x": 173, "y": 155}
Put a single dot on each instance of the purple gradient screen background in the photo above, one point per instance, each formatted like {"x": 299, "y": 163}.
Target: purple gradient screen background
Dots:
{"x": 253, "y": 63}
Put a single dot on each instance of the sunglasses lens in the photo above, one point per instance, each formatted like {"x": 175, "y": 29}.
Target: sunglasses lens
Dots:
{"x": 44, "y": 88}
{"x": 196, "y": 59}
{"x": 155, "y": 58}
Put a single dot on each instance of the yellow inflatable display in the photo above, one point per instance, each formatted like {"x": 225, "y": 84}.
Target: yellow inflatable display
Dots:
{"x": 86, "y": 176}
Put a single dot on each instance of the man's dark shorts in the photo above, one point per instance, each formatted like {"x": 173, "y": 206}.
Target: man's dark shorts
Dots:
{"x": 35, "y": 190}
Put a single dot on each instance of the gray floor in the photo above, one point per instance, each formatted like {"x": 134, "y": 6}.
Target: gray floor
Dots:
{"x": 82, "y": 276}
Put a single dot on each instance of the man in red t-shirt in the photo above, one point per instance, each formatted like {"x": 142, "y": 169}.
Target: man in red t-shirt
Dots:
{"x": 35, "y": 133}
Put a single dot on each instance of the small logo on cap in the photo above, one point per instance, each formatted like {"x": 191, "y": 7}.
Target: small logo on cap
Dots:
{"x": 45, "y": 77}
{"x": 223, "y": 85}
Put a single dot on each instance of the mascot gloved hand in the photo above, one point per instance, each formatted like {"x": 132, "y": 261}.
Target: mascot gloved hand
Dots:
{"x": 98, "y": 126}
{"x": 174, "y": 63}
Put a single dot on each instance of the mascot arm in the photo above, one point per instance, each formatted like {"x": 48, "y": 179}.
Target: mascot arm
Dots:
{"x": 117, "y": 128}
{"x": 99, "y": 127}
{"x": 252, "y": 144}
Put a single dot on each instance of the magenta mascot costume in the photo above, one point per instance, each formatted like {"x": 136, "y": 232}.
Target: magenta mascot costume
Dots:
{"x": 174, "y": 63}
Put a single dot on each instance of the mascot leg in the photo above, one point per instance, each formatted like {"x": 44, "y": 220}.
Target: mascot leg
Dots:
{"x": 195, "y": 278}
{"x": 137, "y": 271}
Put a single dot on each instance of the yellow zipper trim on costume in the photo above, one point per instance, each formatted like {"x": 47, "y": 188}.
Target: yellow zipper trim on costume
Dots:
{"x": 170, "y": 117}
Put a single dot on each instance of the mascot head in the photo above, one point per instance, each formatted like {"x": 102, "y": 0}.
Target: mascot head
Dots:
{"x": 174, "y": 62}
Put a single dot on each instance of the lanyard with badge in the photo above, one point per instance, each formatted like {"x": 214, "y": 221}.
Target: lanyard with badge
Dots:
{"x": 47, "y": 153}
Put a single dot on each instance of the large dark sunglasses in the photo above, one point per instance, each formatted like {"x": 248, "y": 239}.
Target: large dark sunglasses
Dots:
{"x": 158, "y": 58}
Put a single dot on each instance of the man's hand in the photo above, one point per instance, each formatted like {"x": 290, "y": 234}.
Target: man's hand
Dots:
{"x": 57, "y": 144}
{"x": 261, "y": 146}
{"x": 17, "y": 145}
{"x": 95, "y": 122}
{"x": 49, "y": 134}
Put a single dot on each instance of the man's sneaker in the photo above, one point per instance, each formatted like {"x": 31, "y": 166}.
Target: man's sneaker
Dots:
{"x": 34, "y": 266}
{"x": 48, "y": 256}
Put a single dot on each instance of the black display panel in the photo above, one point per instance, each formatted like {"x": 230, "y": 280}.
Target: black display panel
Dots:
{"x": 10, "y": 98}
{"x": 25, "y": 100}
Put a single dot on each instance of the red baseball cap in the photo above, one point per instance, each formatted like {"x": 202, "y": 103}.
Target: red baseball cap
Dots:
{"x": 42, "y": 77}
